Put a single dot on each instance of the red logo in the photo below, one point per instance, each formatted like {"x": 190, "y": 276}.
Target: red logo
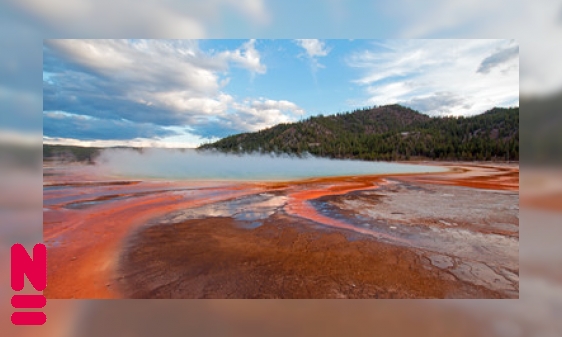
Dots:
{"x": 36, "y": 271}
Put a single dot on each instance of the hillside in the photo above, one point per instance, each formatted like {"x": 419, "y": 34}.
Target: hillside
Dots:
{"x": 390, "y": 132}
{"x": 68, "y": 153}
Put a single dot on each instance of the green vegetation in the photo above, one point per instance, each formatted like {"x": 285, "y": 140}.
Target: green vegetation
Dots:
{"x": 77, "y": 153}
{"x": 70, "y": 153}
{"x": 390, "y": 132}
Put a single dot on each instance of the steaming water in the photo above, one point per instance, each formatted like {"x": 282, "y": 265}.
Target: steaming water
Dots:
{"x": 201, "y": 165}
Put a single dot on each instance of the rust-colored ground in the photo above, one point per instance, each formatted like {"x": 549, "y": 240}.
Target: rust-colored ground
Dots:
{"x": 103, "y": 249}
{"x": 485, "y": 176}
{"x": 212, "y": 258}
{"x": 83, "y": 244}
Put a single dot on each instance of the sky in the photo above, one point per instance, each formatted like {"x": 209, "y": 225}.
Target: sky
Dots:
{"x": 182, "y": 93}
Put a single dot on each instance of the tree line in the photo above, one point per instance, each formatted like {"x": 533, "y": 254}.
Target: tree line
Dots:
{"x": 388, "y": 133}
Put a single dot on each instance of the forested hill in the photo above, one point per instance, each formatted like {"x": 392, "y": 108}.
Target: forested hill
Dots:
{"x": 391, "y": 132}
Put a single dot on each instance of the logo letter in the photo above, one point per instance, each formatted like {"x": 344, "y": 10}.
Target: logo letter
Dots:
{"x": 36, "y": 271}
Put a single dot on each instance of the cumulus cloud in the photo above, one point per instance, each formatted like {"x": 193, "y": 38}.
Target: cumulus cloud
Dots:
{"x": 183, "y": 101}
{"x": 440, "y": 103}
{"x": 247, "y": 57}
{"x": 263, "y": 113}
{"x": 249, "y": 116}
{"x": 151, "y": 65}
{"x": 65, "y": 125}
{"x": 437, "y": 76}
{"x": 163, "y": 83}
{"x": 135, "y": 142}
{"x": 314, "y": 49}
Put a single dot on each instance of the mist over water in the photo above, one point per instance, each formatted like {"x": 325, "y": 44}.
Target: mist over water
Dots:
{"x": 211, "y": 165}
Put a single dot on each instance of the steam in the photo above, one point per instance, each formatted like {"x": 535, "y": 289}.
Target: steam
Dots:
{"x": 211, "y": 165}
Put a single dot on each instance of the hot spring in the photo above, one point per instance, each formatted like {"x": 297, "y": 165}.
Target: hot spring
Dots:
{"x": 190, "y": 164}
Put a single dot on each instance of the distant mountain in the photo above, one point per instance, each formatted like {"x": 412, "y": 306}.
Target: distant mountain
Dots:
{"x": 391, "y": 132}
{"x": 70, "y": 153}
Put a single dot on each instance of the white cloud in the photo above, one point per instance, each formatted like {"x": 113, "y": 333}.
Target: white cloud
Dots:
{"x": 161, "y": 82}
{"x": 183, "y": 101}
{"x": 282, "y": 105}
{"x": 263, "y": 113}
{"x": 174, "y": 75}
{"x": 532, "y": 23}
{"x": 163, "y": 63}
{"x": 247, "y": 116}
{"x": 146, "y": 64}
{"x": 498, "y": 58}
{"x": 440, "y": 76}
{"x": 313, "y": 47}
{"x": 137, "y": 142}
{"x": 247, "y": 57}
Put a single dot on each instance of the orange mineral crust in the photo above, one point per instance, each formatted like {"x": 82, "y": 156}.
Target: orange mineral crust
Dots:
{"x": 485, "y": 176}
{"x": 83, "y": 243}
{"x": 298, "y": 206}
{"x": 213, "y": 258}
{"x": 447, "y": 235}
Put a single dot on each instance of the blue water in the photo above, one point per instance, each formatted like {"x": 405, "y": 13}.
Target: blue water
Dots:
{"x": 191, "y": 164}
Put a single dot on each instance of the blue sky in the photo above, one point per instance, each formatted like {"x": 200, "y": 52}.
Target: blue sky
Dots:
{"x": 181, "y": 93}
